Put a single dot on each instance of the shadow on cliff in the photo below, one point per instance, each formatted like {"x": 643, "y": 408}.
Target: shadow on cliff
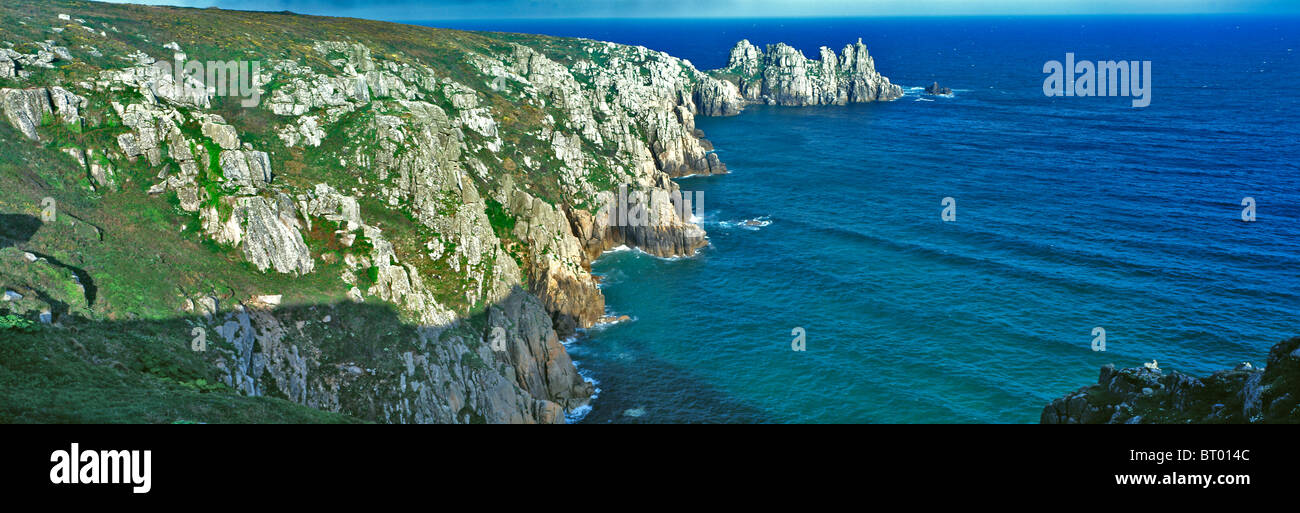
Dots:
{"x": 96, "y": 371}
{"x": 17, "y": 229}
{"x": 80, "y": 370}
{"x": 132, "y": 371}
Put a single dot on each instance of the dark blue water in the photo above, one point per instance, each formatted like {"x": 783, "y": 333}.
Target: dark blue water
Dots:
{"x": 1072, "y": 213}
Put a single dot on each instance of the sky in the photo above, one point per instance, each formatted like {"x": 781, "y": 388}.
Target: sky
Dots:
{"x": 499, "y": 9}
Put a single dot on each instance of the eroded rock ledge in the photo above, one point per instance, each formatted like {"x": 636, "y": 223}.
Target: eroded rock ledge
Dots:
{"x": 1140, "y": 395}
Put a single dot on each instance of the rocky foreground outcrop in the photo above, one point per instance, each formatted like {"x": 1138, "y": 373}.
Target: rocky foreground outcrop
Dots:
{"x": 1143, "y": 395}
{"x": 512, "y": 371}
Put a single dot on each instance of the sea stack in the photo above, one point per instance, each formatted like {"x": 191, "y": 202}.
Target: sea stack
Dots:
{"x": 936, "y": 89}
{"x": 782, "y": 75}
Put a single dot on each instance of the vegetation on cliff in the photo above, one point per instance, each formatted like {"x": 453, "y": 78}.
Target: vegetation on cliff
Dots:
{"x": 389, "y": 222}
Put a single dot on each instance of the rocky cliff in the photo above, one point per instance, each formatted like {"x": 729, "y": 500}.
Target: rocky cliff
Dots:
{"x": 428, "y": 374}
{"x": 1244, "y": 394}
{"x": 464, "y": 179}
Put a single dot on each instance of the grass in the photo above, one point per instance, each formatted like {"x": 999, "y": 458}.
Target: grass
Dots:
{"x": 133, "y": 372}
{"x": 17, "y": 324}
{"x": 503, "y": 223}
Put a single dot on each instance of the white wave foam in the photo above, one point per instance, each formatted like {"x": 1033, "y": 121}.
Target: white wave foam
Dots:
{"x": 748, "y": 224}
{"x": 920, "y": 92}
{"x": 577, "y": 414}
{"x": 641, "y": 252}
{"x": 634, "y": 412}
{"x": 598, "y": 326}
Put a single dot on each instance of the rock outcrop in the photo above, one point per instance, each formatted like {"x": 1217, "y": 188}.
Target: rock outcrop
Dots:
{"x": 43, "y": 55}
{"x": 26, "y": 109}
{"x": 936, "y": 89}
{"x": 272, "y": 239}
{"x": 515, "y": 371}
{"x": 1244, "y": 394}
{"x": 782, "y": 75}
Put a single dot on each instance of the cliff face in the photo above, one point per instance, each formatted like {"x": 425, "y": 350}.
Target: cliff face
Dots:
{"x": 466, "y": 179}
{"x": 400, "y": 373}
{"x": 783, "y": 76}
{"x": 1141, "y": 395}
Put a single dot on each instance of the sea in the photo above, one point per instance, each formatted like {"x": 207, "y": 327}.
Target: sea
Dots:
{"x": 962, "y": 258}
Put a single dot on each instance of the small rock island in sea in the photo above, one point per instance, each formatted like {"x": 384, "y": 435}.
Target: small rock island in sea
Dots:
{"x": 936, "y": 89}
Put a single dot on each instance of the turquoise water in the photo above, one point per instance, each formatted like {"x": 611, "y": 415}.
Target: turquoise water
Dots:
{"x": 1072, "y": 213}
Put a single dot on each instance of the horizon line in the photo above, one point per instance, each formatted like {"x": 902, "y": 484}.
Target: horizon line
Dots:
{"x": 380, "y": 15}
{"x": 820, "y": 17}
